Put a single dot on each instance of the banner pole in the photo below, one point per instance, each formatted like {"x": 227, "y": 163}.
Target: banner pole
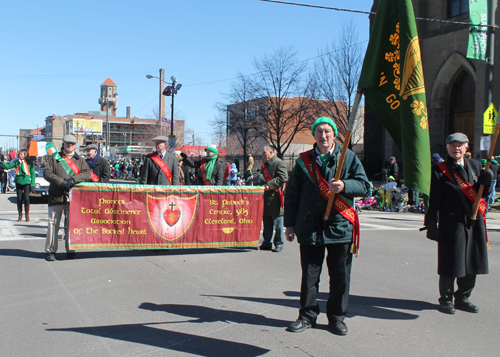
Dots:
{"x": 486, "y": 168}
{"x": 347, "y": 139}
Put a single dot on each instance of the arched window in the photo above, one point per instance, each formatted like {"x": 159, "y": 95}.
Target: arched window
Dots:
{"x": 462, "y": 106}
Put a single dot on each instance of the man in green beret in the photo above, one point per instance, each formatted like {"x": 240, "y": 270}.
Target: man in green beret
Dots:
{"x": 307, "y": 193}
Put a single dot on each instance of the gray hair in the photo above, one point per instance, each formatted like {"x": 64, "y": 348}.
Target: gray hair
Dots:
{"x": 268, "y": 147}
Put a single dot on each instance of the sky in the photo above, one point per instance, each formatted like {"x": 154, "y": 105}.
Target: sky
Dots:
{"x": 56, "y": 54}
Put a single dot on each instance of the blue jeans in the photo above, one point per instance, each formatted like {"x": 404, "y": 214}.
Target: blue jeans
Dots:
{"x": 273, "y": 223}
{"x": 491, "y": 197}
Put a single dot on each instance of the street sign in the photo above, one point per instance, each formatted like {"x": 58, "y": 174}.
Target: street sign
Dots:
{"x": 38, "y": 137}
{"x": 490, "y": 120}
{"x": 484, "y": 144}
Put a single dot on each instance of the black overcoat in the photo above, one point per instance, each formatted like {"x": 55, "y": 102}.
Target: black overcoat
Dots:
{"x": 462, "y": 249}
{"x": 101, "y": 169}
{"x": 279, "y": 175}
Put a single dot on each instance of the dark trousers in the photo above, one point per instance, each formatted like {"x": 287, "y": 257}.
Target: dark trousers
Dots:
{"x": 339, "y": 262}
{"x": 447, "y": 288}
{"x": 23, "y": 194}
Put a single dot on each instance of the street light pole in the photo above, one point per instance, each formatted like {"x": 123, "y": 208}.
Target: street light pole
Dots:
{"x": 107, "y": 126}
{"x": 161, "y": 107}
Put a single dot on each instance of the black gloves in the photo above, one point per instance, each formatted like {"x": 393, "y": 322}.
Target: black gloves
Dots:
{"x": 68, "y": 183}
{"x": 485, "y": 178}
{"x": 433, "y": 233}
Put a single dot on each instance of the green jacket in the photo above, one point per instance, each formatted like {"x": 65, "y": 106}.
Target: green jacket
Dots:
{"x": 23, "y": 178}
{"x": 272, "y": 201}
{"x": 305, "y": 207}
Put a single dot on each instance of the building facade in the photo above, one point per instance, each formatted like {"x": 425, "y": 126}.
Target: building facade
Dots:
{"x": 248, "y": 114}
{"x": 455, "y": 85}
{"x": 123, "y": 131}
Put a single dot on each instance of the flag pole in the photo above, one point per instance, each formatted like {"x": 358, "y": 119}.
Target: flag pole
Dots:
{"x": 486, "y": 168}
{"x": 347, "y": 139}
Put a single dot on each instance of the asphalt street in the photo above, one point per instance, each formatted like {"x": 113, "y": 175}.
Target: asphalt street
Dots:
{"x": 233, "y": 302}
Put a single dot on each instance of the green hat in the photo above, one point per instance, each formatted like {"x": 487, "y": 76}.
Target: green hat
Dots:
{"x": 391, "y": 178}
{"x": 212, "y": 149}
{"x": 324, "y": 120}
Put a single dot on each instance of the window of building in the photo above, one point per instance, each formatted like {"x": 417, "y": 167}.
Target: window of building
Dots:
{"x": 142, "y": 126}
{"x": 457, "y": 7}
{"x": 126, "y": 126}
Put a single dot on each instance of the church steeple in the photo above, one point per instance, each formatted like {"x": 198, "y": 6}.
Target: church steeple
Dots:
{"x": 109, "y": 96}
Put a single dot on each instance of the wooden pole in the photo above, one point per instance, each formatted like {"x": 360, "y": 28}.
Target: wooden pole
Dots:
{"x": 486, "y": 168}
{"x": 340, "y": 165}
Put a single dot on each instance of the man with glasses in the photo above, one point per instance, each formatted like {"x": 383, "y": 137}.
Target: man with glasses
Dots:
{"x": 462, "y": 244}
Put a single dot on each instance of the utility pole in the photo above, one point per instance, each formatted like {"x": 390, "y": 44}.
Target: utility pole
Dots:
{"x": 490, "y": 56}
{"x": 161, "y": 112}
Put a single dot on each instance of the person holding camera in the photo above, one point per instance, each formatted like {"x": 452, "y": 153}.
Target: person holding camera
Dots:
{"x": 63, "y": 170}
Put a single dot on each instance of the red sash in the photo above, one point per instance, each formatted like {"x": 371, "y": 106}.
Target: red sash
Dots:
{"x": 279, "y": 191}
{"x": 340, "y": 205}
{"x": 93, "y": 176}
{"x": 204, "y": 173}
{"x": 71, "y": 165}
{"x": 162, "y": 165}
{"x": 470, "y": 192}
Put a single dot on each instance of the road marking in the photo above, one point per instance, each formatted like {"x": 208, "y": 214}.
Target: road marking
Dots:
{"x": 379, "y": 227}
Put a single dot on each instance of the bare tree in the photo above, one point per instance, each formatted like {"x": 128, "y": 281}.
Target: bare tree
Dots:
{"x": 335, "y": 76}
{"x": 219, "y": 129}
{"x": 241, "y": 117}
{"x": 283, "y": 101}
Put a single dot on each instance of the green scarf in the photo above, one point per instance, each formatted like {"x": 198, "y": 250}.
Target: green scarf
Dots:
{"x": 209, "y": 165}
{"x": 324, "y": 159}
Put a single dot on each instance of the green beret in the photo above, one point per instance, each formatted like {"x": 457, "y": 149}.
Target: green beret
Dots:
{"x": 324, "y": 120}
{"x": 212, "y": 149}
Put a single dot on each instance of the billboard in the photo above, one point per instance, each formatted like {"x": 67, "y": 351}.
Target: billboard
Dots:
{"x": 86, "y": 126}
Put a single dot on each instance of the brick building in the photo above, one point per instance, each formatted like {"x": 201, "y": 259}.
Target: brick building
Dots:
{"x": 302, "y": 141}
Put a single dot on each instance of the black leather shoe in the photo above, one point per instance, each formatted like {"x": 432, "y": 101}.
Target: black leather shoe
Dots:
{"x": 467, "y": 306}
{"x": 266, "y": 247}
{"x": 300, "y": 325}
{"x": 338, "y": 328}
{"x": 447, "y": 308}
{"x": 50, "y": 257}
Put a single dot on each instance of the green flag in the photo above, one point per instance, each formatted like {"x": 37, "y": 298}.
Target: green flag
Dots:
{"x": 393, "y": 83}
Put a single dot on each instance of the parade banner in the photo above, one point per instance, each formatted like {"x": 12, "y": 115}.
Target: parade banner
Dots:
{"x": 111, "y": 216}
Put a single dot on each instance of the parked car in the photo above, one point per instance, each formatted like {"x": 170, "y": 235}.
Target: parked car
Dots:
{"x": 41, "y": 189}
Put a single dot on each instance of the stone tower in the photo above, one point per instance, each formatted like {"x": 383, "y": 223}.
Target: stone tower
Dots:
{"x": 109, "y": 96}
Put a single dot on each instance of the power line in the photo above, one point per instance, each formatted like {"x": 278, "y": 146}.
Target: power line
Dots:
{"x": 374, "y": 13}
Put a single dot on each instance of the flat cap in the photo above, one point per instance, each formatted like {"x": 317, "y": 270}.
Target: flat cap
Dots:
{"x": 161, "y": 138}
{"x": 460, "y": 137}
{"x": 91, "y": 146}
{"x": 70, "y": 139}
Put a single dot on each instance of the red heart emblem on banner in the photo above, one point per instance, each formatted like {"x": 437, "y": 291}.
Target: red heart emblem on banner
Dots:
{"x": 172, "y": 215}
